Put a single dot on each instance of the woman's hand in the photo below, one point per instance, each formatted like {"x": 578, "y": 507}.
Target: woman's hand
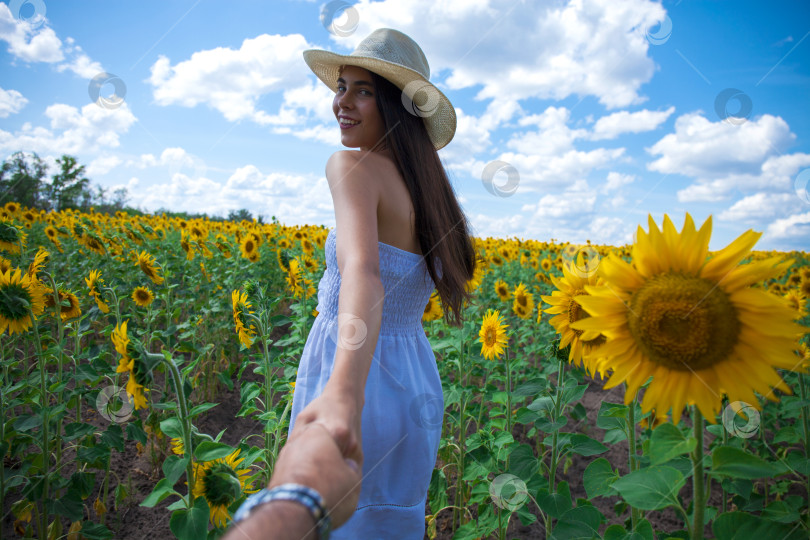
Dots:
{"x": 312, "y": 458}
{"x": 341, "y": 414}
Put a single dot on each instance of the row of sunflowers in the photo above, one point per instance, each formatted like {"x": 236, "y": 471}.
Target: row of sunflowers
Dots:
{"x": 120, "y": 332}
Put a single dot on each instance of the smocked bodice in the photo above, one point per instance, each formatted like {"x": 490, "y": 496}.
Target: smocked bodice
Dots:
{"x": 404, "y": 277}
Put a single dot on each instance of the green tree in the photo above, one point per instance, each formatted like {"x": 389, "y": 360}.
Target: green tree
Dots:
{"x": 21, "y": 180}
{"x": 69, "y": 188}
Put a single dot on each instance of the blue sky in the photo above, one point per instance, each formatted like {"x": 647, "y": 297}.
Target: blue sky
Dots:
{"x": 607, "y": 110}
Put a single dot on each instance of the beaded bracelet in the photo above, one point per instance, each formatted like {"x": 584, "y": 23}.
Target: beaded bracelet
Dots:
{"x": 290, "y": 492}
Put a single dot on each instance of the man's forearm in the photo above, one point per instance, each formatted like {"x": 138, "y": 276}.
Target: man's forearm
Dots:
{"x": 276, "y": 520}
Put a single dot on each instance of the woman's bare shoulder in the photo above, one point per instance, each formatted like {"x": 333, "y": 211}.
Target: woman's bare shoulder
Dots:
{"x": 353, "y": 164}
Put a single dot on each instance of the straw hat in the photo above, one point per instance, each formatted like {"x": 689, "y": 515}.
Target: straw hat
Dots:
{"x": 395, "y": 56}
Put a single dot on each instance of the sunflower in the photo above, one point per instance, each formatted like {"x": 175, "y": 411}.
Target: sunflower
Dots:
{"x": 18, "y": 292}
{"x": 184, "y": 243}
{"x": 566, "y": 310}
{"x": 307, "y": 246}
{"x": 299, "y": 285}
{"x": 5, "y": 265}
{"x": 492, "y": 335}
{"x": 11, "y": 236}
{"x": 694, "y": 324}
{"x": 40, "y": 260}
{"x": 311, "y": 264}
{"x": 143, "y": 296}
{"x": 248, "y": 246}
{"x": 68, "y": 303}
{"x": 94, "y": 283}
{"x": 804, "y": 287}
{"x": 221, "y": 483}
{"x": 130, "y": 362}
{"x": 433, "y": 308}
{"x": 523, "y": 305}
{"x": 496, "y": 259}
{"x": 796, "y": 300}
{"x": 93, "y": 242}
{"x": 546, "y": 264}
{"x": 12, "y": 207}
{"x": 241, "y": 307}
{"x": 477, "y": 277}
{"x": 147, "y": 264}
{"x": 177, "y": 446}
{"x": 502, "y": 290}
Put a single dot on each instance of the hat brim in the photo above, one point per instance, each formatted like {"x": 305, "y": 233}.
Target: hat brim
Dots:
{"x": 434, "y": 108}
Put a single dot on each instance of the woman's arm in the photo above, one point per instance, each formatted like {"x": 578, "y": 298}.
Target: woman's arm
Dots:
{"x": 355, "y": 194}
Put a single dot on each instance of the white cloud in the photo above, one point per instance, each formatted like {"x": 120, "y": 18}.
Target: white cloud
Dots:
{"x": 706, "y": 149}
{"x": 613, "y": 125}
{"x": 293, "y": 199}
{"x": 761, "y": 207}
{"x": 11, "y": 102}
{"x": 793, "y": 230}
{"x": 80, "y": 64}
{"x": 72, "y": 130}
{"x": 102, "y": 165}
{"x": 585, "y": 48}
{"x": 27, "y": 42}
{"x": 231, "y": 81}
{"x": 616, "y": 180}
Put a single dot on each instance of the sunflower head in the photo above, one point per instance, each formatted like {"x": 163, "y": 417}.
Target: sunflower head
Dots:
{"x": 146, "y": 263}
{"x": 433, "y": 308}
{"x": 69, "y": 307}
{"x": 691, "y": 321}
{"x": 11, "y": 236}
{"x": 492, "y": 335}
{"x": 135, "y": 362}
{"x": 143, "y": 296}
{"x": 20, "y": 296}
{"x": 502, "y": 290}
{"x": 241, "y": 306}
{"x": 221, "y": 482}
{"x": 523, "y": 304}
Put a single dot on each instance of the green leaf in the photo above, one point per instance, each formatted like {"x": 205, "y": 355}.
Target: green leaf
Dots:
{"x": 114, "y": 437}
{"x": 742, "y": 525}
{"x": 652, "y": 488}
{"x": 83, "y": 483}
{"x": 736, "y": 463}
{"x": 668, "y": 442}
{"x": 598, "y": 477}
{"x": 580, "y": 444}
{"x": 572, "y": 393}
{"x": 174, "y": 467}
{"x": 644, "y": 531}
{"x": 95, "y": 531}
{"x": 612, "y": 416}
{"x": 163, "y": 489}
{"x": 530, "y": 388}
{"x": 75, "y": 430}
{"x": 580, "y": 522}
{"x": 201, "y": 408}
{"x": 555, "y": 504}
{"x": 69, "y": 505}
{"x": 136, "y": 433}
{"x": 780, "y": 511}
{"x": 522, "y": 461}
{"x": 191, "y": 524}
{"x": 172, "y": 427}
{"x": 95, "y": 456}
{"x": 28, "y": 421}
{"x": 209, "y": 451}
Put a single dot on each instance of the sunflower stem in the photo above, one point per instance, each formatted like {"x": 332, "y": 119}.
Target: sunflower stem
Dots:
{"x": 805, "y": 422}
{"x": 508, "y": 400}
{"x": 46, "y": 454}
{"x": 724, "y": 495}
{"x": 185, "y": 421}
{"x": 631, "y": 451}
{"x": 699, "y": 495}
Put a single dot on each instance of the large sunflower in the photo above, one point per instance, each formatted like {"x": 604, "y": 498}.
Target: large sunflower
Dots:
{"x": 691, "y": 322}
{"x": 147, "y": 264}
{"x": 17, "y": 292}
{"x": 221, "y": 483}
{"x": 241, "y": 307}
{"x": 299, "y": 285}
{"x": 130, "y": 363}
{"x": 492, "y": 335}
{"x": 566, "y": 311}
{"x": 248, "y": 246}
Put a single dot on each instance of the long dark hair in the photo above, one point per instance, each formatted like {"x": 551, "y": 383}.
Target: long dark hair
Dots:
{"x": 441, "y": 226}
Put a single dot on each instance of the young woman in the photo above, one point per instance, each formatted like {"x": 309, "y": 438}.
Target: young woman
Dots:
{"x": 368, "y": 373}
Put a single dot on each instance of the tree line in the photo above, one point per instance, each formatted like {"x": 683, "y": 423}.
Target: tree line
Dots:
{"x": 24, "y": 179}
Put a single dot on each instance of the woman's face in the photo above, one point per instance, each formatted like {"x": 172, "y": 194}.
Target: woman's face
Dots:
{"x": 355, "y": 107}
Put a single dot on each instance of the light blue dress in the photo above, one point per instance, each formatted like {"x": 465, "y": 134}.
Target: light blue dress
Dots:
{"x": 404, "y": 406}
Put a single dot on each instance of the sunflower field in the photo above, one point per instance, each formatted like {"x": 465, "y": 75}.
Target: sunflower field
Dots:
{"x": 655, "y": 390}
